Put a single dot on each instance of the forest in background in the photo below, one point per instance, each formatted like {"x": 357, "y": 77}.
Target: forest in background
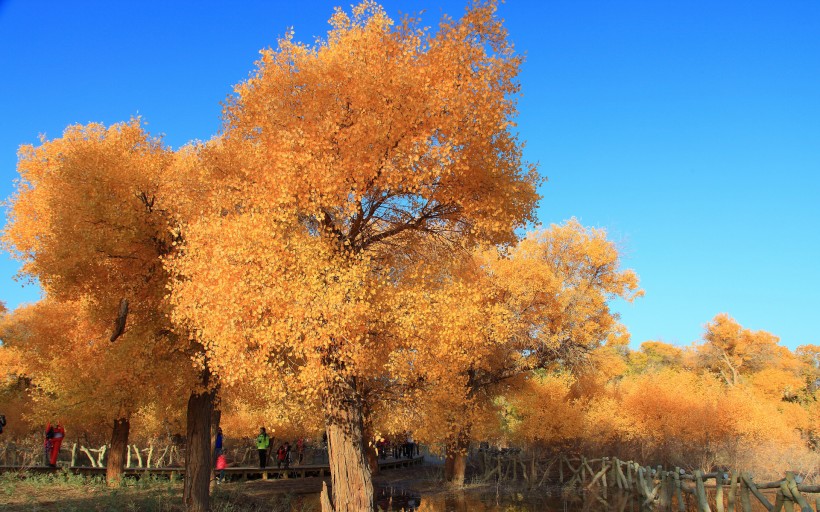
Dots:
{"x": 736, "y": 399}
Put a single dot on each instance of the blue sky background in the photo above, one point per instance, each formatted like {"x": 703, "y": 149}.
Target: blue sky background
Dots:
{"x": 689, "y": 130}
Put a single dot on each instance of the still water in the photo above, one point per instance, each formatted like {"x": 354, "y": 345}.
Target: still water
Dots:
{"x": 486, "y": 501}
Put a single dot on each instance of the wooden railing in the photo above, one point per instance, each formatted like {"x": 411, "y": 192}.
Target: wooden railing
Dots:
{"x": 664, "y": 487}
{"x": 233, "y": 473}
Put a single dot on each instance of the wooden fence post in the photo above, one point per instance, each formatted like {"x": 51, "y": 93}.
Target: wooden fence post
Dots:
{"x": 795, "y": 494}
{"x": 665, "y": 495}
{"x": 583, "y": 470}
{"x": 732, "y": 488}
{"x": 778, "y": 501}
{"x": 139, "y": 457}
{"x": 788, "y": 504}
{"x": 703, "y": 503}
{"x": 678, "y": 494}
{"x": 629, "y": 475}
{"x": 745, "y": 499}
{"x": 641, "y": 484}
{"x": 719, "y": 492}
{"x": 622, "y": 477}
{"x": 649, "y": 483}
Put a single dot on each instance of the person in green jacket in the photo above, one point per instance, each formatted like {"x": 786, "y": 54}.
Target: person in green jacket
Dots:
{"x": 262, "y": 443}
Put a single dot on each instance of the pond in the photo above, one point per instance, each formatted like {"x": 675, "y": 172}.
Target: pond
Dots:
{"x": 483, "y": 499}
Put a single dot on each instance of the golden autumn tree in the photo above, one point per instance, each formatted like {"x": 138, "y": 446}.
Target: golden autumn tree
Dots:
{"x": 15, "y": 400}
{"x": 91, "y": 219}
{"x": 75, "y": 376}
{"x": 546, "y": 410}
{"x": 337, "y": 160}
{"x": 732, "y": 351}
{"x": 809, "y": 357}
{"x": 656, "y": 355}
{"x": 498, "y": 317}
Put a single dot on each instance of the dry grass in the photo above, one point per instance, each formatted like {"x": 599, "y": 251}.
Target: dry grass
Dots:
{"x": 65, "y": 492}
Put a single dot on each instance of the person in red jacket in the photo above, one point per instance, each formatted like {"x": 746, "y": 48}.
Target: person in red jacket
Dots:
{"x": 56, "y": 441}
{"x": 221, "y": 464}
{"x": 281, "y": 456}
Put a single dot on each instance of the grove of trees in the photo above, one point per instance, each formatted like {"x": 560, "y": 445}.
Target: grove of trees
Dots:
{"x": 348, "y": 254}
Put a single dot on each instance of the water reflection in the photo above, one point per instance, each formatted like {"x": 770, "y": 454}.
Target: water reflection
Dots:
{"x": 397, "y": 499}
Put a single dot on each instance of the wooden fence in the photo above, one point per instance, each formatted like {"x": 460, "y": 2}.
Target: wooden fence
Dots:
{"x": 664, "y": 488}
{"x": 231, "y": 473}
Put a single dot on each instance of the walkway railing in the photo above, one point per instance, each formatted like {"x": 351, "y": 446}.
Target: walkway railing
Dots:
{"x": 231, "y": 473}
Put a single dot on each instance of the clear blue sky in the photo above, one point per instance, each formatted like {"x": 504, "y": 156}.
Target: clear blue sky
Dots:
{"x": 689, "y": 130}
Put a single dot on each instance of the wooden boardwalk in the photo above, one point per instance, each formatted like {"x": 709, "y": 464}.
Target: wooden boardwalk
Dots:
{"x": 231, "y": 473}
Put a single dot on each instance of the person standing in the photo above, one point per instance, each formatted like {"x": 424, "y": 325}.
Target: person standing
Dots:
{"x": 262, "y": 443}
{"x": 218, "y": 442}
{"x": 300, "y": 450}
{"x": 221, "y": 464}
{"x": 408, "y": 446}
{"x": 281, "y": 455}
{"x": 47, "y": 444}
{"x": 56, "y": 441}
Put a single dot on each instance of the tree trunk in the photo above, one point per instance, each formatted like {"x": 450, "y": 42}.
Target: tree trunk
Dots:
{"x": 372, "y": 459}
{"x": 196, "y": 492}
{"x": 115, "y": 466}
{"x": 455, "y": 462}
{"x": 351, "y": 480}
{"x": 370, "y": 450}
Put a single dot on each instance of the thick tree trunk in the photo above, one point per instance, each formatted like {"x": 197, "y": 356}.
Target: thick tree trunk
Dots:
{"x": 196, "y": 494}
{"x": 455, "y": 462}
{"x": 352, "y": 484}
{"x": 115, "y": 466}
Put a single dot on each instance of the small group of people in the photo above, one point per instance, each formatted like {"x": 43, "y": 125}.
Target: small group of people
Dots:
{"x": 284, "y": 455}
{"x": 51, "y": 446}
{"x": 404, "y": 447}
